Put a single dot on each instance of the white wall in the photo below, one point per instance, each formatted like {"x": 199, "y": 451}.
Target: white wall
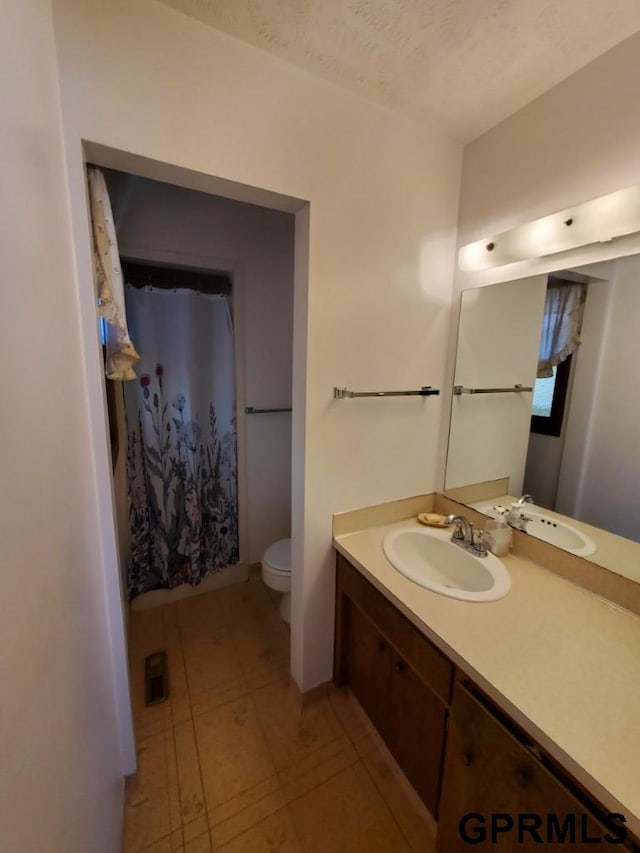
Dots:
{"x": 583, "y": 391}
{"x": 542, "y": 469}
{"x": 611, "y": 467}
{"x": 576, "y": 142}
{"x": 61, "y": 760}
{"x": 161, "y": 222}
{"x": 140, "y": 77}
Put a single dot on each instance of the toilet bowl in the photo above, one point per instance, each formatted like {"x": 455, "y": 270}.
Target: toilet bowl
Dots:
{"x": 276, "y": 573}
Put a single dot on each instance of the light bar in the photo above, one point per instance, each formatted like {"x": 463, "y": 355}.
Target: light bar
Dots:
{"x": 597, "y": 221}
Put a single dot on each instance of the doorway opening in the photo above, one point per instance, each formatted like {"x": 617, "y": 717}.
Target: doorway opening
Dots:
{"x": 234, "y": 263}
{"x": 141, "y": 167}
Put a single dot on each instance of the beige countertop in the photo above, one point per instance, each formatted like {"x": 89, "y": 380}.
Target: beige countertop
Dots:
{"x": 562, "y": 662}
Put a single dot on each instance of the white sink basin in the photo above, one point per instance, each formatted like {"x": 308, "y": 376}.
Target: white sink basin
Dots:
{"x": 429, "y": 558}
{"x": 551, "y": 529}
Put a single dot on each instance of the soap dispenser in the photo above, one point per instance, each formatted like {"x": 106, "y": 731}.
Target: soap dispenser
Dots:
{"x": 498, "y": 533}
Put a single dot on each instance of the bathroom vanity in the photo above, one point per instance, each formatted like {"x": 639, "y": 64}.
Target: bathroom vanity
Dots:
{"x": 401, "y": 680}
{"x": 517, "y": 721}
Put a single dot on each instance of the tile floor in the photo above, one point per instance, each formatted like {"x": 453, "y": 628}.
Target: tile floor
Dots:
{"x": 231, "y": 763}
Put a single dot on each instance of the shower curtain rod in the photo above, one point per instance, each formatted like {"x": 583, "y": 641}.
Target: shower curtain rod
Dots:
{"x": 139, "y": 274}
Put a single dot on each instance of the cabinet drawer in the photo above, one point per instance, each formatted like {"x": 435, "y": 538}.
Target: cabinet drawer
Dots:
{"x": 434, "y": 669}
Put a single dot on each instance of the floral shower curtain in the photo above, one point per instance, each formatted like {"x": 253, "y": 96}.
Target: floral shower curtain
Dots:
{"x": 182, "y": 450}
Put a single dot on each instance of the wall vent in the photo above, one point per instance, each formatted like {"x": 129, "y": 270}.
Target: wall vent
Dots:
{"x": 156, "y": 678}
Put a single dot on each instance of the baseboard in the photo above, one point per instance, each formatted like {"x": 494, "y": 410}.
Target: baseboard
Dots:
{"x": 309, "y": 697}
{"x": 159, "y": 597}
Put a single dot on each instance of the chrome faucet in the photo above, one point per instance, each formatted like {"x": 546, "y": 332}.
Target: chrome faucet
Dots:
{"x": 466, "y": 536}
{"x": 516, "y": 518}
{"x": 525, "y": 499}
{"x": 463, "y": 531}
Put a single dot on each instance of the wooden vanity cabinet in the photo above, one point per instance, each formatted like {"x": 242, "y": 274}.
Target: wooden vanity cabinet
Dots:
{"x": 368, "y": 667}
{"x": 401, "y": 680}
{"x": 493, "y": 778}
{"x": 462, "y": 754}
{"x": 416, "y": 730}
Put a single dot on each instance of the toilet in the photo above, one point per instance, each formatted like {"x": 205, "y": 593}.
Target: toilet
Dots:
{"x": 276, "y": 573}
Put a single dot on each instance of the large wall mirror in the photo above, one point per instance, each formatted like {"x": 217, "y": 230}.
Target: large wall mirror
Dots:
{"x": 583, "y": 470}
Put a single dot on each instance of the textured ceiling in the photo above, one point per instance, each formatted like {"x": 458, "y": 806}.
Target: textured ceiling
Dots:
{"x": 470, "y": 62}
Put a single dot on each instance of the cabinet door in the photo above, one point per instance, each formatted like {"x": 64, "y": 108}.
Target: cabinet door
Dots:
{"x": 369, "y": 667}
{"x": 416, "y": 734}
{"x": 433, "y": 667}
{"x": 491, "y": 779}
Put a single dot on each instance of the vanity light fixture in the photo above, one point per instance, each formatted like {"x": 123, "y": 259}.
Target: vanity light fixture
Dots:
{"x": 597, "y": 221}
